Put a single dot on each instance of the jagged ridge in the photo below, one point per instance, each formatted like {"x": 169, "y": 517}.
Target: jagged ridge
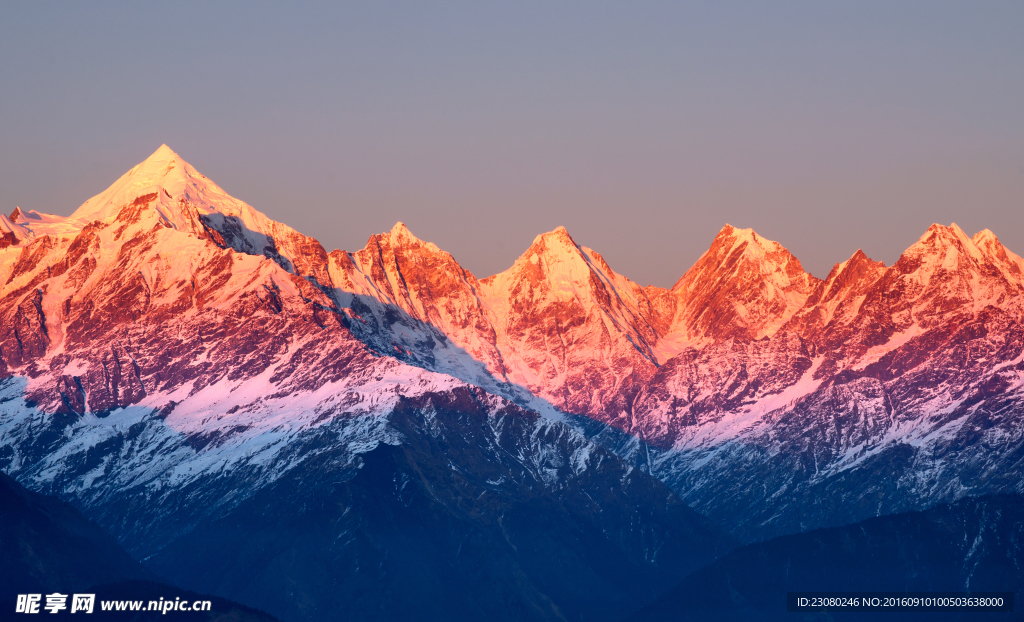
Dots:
{"x": 748, "y": 365}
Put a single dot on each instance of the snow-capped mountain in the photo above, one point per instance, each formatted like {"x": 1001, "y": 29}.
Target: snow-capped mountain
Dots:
{"x": 167, "y": 190}
{"x": 892, "y": 389}
{"x": 772, "y": 400}
{"x": 769, "y": 399}
{"x": 744, "y": 287}
{"x": 171, "y": 359}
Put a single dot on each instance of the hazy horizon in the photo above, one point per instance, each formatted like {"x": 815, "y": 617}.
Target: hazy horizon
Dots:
{"x": 641, "y": 129}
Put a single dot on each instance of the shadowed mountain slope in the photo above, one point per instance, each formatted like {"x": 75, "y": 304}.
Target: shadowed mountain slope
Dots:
{"x": 46, "y": 547}
{"x": 972, "y": 545}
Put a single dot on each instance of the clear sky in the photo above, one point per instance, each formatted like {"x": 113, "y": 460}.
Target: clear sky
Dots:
{"x": 641, "y": 127}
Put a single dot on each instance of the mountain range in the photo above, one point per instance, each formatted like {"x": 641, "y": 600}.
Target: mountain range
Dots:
{"x": 182, "y": 368}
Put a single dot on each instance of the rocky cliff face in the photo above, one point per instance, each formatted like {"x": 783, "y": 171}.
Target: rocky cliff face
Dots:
{"x": 744, "y": 287}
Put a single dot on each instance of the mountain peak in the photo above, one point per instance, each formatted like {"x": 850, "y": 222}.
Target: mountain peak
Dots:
{"x": 853, "y": 275}
{"x": 163, "y": 152}
{"x": 946, "y": 273}
{"x": 558, "y": 232}
{"x": 984, "y": 238}
{"x": 950, "y": 233}
{"x": 859, "y": 258}
{"x": 554, "y": 241}
{"x": 938, "y": 237}
{"x": 163, "y": 173}
{"x": 988, "y": 243}
{"x": 166, "y": 190}
{"x": 400, "y": 236}
{"x": 11, "y": 231}
{"x": 754, "y": 247}
{"x": 161, "y": 163}
{"x": 399, "y": 240}
{"x": 744, "y": 285}
{"x": 730, "y": 230}
{"x": 733, "y": 245}
{"x": 400, "y": 231}
{"x": 16, "y": 214}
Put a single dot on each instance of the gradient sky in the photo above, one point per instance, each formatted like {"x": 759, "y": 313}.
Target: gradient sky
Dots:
{"x": 641, "y": 127}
